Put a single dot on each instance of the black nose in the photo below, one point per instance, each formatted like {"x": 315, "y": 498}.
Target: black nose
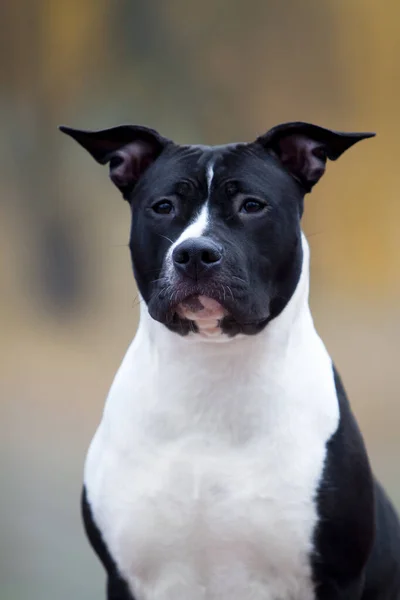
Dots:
{"x": 197, "y": 257}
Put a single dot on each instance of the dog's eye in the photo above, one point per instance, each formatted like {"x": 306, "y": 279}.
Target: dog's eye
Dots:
{"x": 164, "y": 207}
{"x": 251, "y": 206}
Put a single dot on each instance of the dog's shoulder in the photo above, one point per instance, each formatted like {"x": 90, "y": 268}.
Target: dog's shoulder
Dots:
{"x": 115, "y": 581}
{"x": 345, "y": 500}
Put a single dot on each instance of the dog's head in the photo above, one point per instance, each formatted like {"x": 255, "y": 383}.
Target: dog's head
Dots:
{"x": 215, "y": 236}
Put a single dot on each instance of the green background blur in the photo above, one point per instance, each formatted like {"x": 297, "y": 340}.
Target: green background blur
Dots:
{"x": 201, "y": 72}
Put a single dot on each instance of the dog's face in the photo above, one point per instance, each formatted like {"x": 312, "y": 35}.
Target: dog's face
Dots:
{"x": 215, "y": 235}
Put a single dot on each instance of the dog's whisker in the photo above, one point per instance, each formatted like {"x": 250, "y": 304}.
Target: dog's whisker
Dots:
{"x": 165, "y": 237}
{"x": 238, "y": 278}
{"x": 311, "y": 235}
{"x": 136, "y": 303}
{"x": 151, "y": 271}
{"x": 138, "y": 299}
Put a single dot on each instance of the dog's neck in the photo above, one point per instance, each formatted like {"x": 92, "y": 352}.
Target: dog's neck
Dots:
{"x": 169, "y": 386}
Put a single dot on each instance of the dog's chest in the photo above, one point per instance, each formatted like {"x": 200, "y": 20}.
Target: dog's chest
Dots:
{"x": 192, "y": 505}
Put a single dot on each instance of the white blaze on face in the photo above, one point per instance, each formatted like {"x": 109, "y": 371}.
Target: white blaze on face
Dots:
{"x": 197, "y": 227}
{"x": 204, "y": 311}
{"x": 210, "y": 175}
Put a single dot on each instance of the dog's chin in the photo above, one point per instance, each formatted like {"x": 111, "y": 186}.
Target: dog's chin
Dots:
{"x": 207, "y": 312}
{"x": 201, "y": 309}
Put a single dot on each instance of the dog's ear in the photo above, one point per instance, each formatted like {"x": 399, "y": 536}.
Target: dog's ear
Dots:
{"x": 303, "y": 148}
{"x": 130, "y": 150}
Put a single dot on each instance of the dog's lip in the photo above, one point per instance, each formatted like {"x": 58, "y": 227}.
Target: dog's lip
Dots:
{"x": 225, "y": 299}
{"x": 165, "y": 302}
{"x": 201, "y": 308}
{"x": 181, "y": 293}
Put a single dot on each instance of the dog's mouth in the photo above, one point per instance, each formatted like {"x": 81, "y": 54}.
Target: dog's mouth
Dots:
{"x": 195, "y": 302}
{"x": 207, "y": 309}
{"x": 201, "y": 308}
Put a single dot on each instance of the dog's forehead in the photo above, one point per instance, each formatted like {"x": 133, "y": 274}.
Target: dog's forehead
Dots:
{"x": 204, "y": 162}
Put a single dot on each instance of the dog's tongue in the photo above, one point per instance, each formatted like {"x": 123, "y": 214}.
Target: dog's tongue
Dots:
{"x": 200, "y": 307}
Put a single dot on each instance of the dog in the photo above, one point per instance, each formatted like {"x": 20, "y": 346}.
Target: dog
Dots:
{"x": 228, "y": 463}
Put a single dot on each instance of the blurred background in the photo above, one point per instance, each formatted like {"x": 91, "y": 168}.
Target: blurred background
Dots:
{"x": 209, "y": 72}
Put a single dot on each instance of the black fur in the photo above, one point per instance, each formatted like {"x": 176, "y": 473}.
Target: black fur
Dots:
{"x": 358, "y": 536}
{"x": 117, "y": 588}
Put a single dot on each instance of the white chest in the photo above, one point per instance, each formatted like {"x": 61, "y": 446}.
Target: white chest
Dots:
{"x": 202, "y": 522}
{"x": 202, "y": 480}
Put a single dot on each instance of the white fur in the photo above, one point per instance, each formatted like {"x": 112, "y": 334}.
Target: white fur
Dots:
{"x": 194, "y": 230}
{"x": 209, "y": 328}
{"x": 203, "y": 472}
{"x": 210, "y": 175}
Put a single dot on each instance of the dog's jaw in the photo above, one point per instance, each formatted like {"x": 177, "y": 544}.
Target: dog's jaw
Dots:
{"x": 222, "y": 326}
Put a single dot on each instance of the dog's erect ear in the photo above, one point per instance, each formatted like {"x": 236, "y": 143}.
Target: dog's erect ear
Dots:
{"x": 303, "y": 148}
{"x": 130, "y": 150}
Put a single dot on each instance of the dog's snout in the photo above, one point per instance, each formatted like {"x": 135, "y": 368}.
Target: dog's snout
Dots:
{"x": 197, "y": 257}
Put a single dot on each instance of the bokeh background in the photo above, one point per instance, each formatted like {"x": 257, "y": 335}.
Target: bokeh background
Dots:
{"x": 205, "y": 72}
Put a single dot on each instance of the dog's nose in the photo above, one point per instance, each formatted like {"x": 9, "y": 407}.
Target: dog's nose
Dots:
{"x": 197, "y": 257}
